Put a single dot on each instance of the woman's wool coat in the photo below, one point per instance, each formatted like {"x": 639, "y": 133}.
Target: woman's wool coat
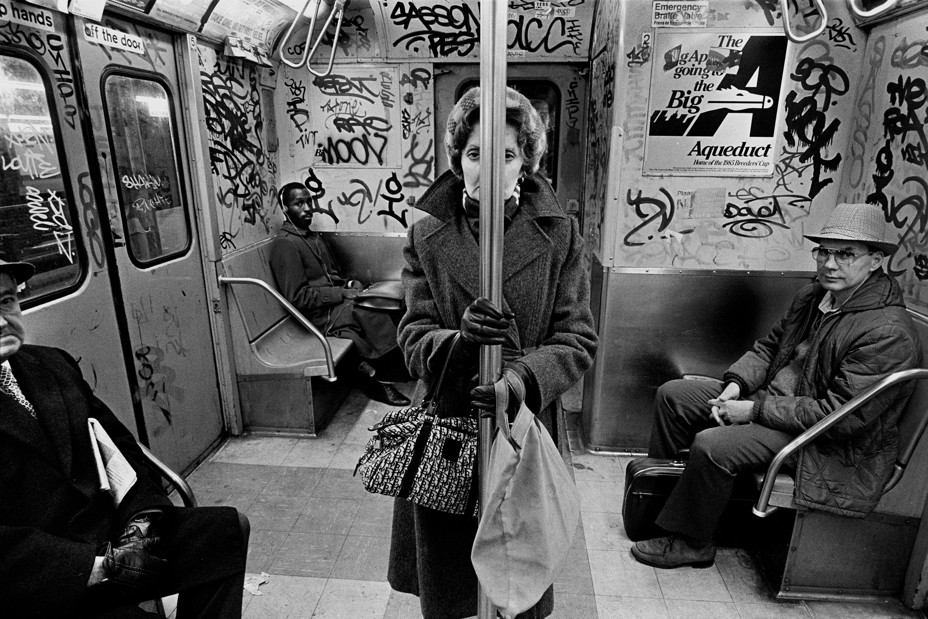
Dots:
{"x": 546, "y": 285}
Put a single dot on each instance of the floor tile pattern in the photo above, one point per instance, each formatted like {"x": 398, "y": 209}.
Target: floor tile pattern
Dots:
{"x": 323, "y": 541}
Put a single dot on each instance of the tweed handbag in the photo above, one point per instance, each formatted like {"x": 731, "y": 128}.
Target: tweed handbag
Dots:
{"x": 426, "y": 459}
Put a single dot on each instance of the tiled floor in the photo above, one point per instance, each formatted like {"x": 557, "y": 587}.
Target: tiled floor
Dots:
{"x": 321, "y": 542}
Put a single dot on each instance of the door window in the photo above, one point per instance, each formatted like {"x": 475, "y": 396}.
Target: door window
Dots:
{"x": 140, "y": 121}
{"x": 35, "y": 206}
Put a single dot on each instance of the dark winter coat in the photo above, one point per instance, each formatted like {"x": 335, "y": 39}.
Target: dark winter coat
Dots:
{"x": 307, "y": 274}
{"x": 546, "y": 286}
{"x": 53, "y": 515}
{"x": 869, "y": 337}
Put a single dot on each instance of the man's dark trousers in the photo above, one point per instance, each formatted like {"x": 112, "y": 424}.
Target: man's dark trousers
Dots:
{"x": 717, "y": 454}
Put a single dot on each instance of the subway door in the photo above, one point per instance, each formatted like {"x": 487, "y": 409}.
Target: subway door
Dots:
{"x": 48, "y": 206}
{"x": 556, "y": 91}
{"x": 130, "y": 73}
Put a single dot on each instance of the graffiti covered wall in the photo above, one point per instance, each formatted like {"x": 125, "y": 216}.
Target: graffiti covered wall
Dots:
{"x": 361, "y": 140}
{"x": 888, "y": 153}
{"x": 450, "y": 31}
{"x": 669, "y": 219}
{"x": 243, "y": 167}
{"x": 600, "y": 119}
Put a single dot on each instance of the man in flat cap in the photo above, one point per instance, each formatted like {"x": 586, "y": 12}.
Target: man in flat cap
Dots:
{"x": 69, "y": 548}
{"x": 841, "y": 335}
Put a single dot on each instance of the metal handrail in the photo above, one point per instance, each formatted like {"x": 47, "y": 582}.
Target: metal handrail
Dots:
{"x": 179, "y": 483}
{"x": 762, "y": 507}
{"x": 877, "y": 10}
{"x": 295, "y": 313}
{"x": 337, "y": 9}
{"x": 802, "y": 38}
{"x": 493, "y": 24}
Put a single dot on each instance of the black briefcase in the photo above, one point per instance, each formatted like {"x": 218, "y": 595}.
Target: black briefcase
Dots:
{"x": 648, "y": 483}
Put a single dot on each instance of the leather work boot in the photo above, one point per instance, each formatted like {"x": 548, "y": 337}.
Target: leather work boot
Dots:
{"x": 673, "y": 551}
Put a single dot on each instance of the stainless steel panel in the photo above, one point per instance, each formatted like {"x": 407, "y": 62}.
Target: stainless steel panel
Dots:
{"x": 823, "y": 565}
{"x": 657, "y": 325}
{"x": 368, "y": 257}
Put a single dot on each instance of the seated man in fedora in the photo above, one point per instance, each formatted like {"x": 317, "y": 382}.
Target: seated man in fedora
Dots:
{"x": 307, "y": 274}
{"x": 841, "y": 334}
{"x": 69, "y": 548}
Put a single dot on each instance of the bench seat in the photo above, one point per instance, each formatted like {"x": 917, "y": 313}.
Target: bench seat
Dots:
{"x": 288, "y": 348}
{"x": 823, "y": 556}
{"x": 285, "y": 368}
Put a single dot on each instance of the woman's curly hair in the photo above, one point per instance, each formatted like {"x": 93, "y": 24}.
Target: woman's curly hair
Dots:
{"x": 531, "y": 133}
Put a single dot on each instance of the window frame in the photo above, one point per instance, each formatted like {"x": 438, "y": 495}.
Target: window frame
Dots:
{"x": 82, "y": 261}
{"x": 178, "y": 160}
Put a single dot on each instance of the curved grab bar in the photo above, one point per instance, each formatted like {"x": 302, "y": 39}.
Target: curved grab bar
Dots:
{"x": 802, "y": 38}
{"x": 761, "y": 508}
{"x": 329, "y": 362}
{"x": 179, "y": 483}
{"x": 877, "y": 10}
{"x": 309, "y": 34}
{"x": 308, "y": 52}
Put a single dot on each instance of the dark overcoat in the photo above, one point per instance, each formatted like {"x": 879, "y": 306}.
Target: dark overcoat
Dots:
{"x": 307, "y": 274}
{"x": 53, "y": 516}
{"x": 546, "y": 286}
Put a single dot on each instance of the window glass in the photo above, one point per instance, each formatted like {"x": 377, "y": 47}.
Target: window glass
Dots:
{"x": 139, "y": 116}
{"x": 35, "y": 209}
{"x": 546, "y": 100}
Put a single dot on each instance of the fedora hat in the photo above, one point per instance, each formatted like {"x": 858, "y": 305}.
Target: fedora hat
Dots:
{"x": 21, "y": 271}
{"x": 856, "y": 222}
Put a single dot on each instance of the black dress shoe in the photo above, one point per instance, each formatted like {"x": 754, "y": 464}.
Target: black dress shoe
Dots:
{"x": 384, "y": 392}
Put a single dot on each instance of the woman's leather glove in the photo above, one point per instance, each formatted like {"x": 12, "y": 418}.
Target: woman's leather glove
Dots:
{"x": 483, "y": 397}
{"x": 485, "y": 324}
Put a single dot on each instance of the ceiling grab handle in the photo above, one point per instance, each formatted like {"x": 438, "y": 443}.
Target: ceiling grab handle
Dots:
{"x": 340, "y": 9}
{"x": 877, "y": 10}
{"x": 802, "y": 38}
{"x": 309, "y": 34}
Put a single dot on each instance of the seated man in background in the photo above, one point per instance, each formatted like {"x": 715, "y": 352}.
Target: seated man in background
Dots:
{"x": 70, "y": 549}
{"x": 839, "y": 336}
{"x": 308, "y": 276}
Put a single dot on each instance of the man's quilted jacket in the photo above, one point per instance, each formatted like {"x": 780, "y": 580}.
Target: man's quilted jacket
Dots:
{"x": 871, "y": 336}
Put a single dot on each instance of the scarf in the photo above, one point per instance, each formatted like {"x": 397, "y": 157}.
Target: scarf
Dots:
{"x": 471, "y": 209}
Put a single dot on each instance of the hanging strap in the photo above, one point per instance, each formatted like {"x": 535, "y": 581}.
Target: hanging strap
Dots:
{"x": 502, "y": 404}
{"x": 435, "y": 387}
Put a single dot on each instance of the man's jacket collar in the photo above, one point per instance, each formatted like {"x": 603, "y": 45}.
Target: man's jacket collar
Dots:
{"x": 43, "y": 391}
{"x": 879, "y": 290}
{"x": 289, "y": 228}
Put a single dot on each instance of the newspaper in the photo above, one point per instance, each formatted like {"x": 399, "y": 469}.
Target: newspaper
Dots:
{"x": 116, "y": 474}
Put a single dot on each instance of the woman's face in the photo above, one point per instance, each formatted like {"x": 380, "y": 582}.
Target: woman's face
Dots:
{"x": 470, "y": 162}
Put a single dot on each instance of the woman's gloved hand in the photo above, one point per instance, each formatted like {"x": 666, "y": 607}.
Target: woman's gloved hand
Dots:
{"x": 485, "y": 324}
{"x": 483, "y": 397}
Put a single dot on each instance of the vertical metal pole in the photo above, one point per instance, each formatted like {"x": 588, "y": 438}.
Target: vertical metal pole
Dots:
{"x": 492, "y": 128}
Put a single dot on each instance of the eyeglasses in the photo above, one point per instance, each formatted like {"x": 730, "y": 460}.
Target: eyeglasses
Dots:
{"x": 843, "y": 257}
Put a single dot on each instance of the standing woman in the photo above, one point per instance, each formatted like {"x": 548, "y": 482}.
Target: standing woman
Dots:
{"x": 544, "y": 325}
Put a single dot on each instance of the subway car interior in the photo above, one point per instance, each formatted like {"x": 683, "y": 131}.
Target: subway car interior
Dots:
{"x": 143, "y": 144}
